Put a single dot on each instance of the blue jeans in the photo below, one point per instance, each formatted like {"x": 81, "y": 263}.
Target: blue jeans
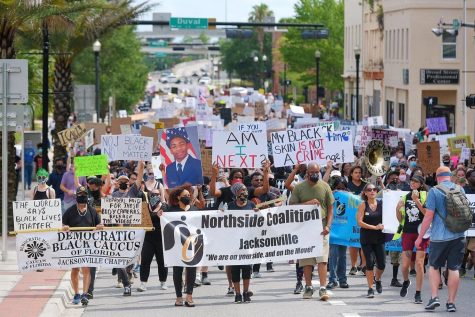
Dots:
{"x": 28, "y": 175}
{"x": 337, "y": 263}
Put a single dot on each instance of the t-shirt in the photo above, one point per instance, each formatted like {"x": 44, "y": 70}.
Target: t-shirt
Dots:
{"x": 226, "y": 196}
{"x": 413, "y": 216}
{"x": 321, "y": 191}
{"x": 133, "y": 192}
{"x": 248, "y": 206}
{"x": 54, "y": 180}
{"x": 29, "y": 155}
{"x": 68, "y": 182}
{"x": 356, "y": 189}
{"x": 72, "y": 217}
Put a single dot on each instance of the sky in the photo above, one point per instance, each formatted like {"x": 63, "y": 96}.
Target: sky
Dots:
{"x": 237, "y": 10}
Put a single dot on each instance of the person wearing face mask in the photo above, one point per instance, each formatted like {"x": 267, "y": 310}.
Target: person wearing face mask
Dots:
{"x": 54, "y": 179}
{"x": 412, "y": 164}
{"x": 446, "y": 160}
{"x": 460, "y": 177}
{"x": 316, "y": 192}
{"x": 42, "y": 190}
{"x": 69, "y": 183}
{"x": 403, "y": 183}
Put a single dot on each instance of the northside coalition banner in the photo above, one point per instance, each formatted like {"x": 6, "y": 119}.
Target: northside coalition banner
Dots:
{"x": 345, "y": 230}
{"x": 68, "y": 249}
{"x": 235, "y": 237}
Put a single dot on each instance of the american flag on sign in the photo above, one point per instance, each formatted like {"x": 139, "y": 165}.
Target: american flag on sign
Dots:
{"x": 167, "y": 135}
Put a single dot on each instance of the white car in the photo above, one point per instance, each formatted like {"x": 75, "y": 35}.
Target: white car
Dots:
{"x": 172, "y": 78}
{"x": 205, "y": 81}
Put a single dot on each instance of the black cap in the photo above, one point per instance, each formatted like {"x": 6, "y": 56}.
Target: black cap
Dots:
{"x": 81, "y": 190}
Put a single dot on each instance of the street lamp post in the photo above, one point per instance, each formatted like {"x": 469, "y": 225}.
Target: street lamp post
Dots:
{"x": 256, "y": 62}
{"x": 96, "y": 47}
{"x": 317, "y": 62}
{"x": 357, "y": 57}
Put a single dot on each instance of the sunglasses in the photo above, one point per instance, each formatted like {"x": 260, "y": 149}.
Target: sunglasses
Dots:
{"x": 371, "y": 190}
{"x": 41, "y": 178}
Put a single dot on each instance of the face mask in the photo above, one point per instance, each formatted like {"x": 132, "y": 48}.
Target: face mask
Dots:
{"x": 462, "y": 179}
{"x": 446, "y": 162}
{"x": 236, "y": 180}
{"x": 243, "y": 196}
{"x": 394, "y": 181}
{"x": 412, "y": 164}
{"x": 123, "y": 186}
{"x": 96, "y": 194}
{"x": 81, "y": 199}
{"x": 41, "y": 179}
{"x": 402, "y": 178}
{"x": 314, "y": 177}
{"x": 185, "y": 200}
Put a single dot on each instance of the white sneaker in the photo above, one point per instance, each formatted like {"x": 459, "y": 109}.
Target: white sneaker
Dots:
{"x": 119, "y": 285}
{"x": 142, "y": 287}
{"x": 163, "y": 286}
{"x": 256, "y": 275}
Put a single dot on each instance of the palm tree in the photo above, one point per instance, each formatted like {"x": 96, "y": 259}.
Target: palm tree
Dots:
{"x": 260, "y": 13}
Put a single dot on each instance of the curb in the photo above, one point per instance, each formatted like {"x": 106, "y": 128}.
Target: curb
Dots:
{"x": 61, "y": 299}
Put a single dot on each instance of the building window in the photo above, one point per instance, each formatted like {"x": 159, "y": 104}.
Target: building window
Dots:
{"x": 449, "y": 45}
{"x": 390, "y": 112}
{"x": 401, "y": 115}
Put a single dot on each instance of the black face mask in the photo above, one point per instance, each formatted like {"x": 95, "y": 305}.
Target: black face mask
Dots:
{"x": 446, "y": 162}
{"x": 60, "y": 168}
{"x": 185, "y": 200}
{"x": 243, "y": 197}
{"x": 314, "y": 177}
{"x": 96, "y": 194}
{"x": 123, "y": 186}
{"x": 81, "y": 199}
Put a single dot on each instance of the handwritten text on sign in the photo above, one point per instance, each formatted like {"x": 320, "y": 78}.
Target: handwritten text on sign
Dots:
{"x": 91, "y": 165}
{"x": 125, "y": 211}
{"x": 37, "y": 214}
{"x": 297, "y": 146}
{"x": 241, "y": 148}
{"x": 127, "y": 147}
{"x": 72, "y": 134}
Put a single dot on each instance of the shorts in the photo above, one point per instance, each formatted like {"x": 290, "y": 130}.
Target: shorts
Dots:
{"x": 320, "y": 259}
{"x": 409, "y": 242}
{"x": 471, "y": 244}
{"x": 395, "y": 257}
{"x": 450, "y": 252}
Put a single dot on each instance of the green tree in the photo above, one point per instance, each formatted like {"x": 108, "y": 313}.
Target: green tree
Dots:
{"x": 123, "y": 68}
{"x": 299, "y": 54}
{"x": 260, "y": 13}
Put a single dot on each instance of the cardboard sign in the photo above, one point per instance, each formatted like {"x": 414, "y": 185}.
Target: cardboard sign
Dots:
{"x": 206, "y": 161}
{"x": 297, "y": 146}
{"x": 124, "y": 211}
{"x": 428, "y": 156}
{"x": 127, "y": 147}
{"x": 457, "y": 143}
{"x": 118, "y": 122}
{"x": 91, "y": 165}
{"x": 89, "y": 139}
{"x": 260, "y": 110}
{"x": 146, "y": 220}
{"x": 159, "y": 125}
{"x": 437, "y": 125}
{"x": 244, "y": 147}
{"x": 100, "y": 129}
{"x": 69, "y": 136}
{"x": 37, "y": 214}
{"x": 150, "y": 132}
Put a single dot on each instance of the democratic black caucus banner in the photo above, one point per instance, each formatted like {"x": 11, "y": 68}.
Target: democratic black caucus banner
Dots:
{"x": 234, "y": 237}
{"x": 67, "y": 249}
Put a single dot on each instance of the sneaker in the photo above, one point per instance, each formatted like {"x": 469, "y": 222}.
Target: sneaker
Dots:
{"x": 114, "y": 272}
{"x": 417, "y": 298}
{"x": 323, "y": 294}
{"x": 270, "y": 270}
{"x": 412, "y": 272}
{"x": 451, "y": 307}
{"x": 137, "y": 268}
{"x": 127, "y": 291}
{"x": 462, "y": 272}
{"x": 370, "y": 293}
{"x": 344, "y": 285}
{"x": 84, "y": 300}
{"x": 89, "y": 295}
{"x": 332, "y": 285}
{"x": 76, "y": 299}
{"x": 256, "y": 275}
{"x": 246, "y": 298}
{"x": 363, "y": 271}
{"x": 395, "y": 283}
{"x": 205, "y": 281}
{"x": 353, "y": 271}
{"x": 379, "y": 286}
{"x": 119, "y": 285}
{"x": 238, "y": 298}
{"x": 308, "y": 292}
{"x": 230, "y": 291}
{"x": 404, "y": 288}
{"x": 198, "y": 281}
{"x": 163, "y": 286}
{"x": 298, "y": 288}
{"x": 142, "y": 287}
{"x": 433, "y": 304}
{"x": 220, "y": 267}
{"x": 440, "y": 285}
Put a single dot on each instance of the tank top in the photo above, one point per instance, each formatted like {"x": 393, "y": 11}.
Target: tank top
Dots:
{"x": 40, "y": 195}
{"x": 373, "y": 218}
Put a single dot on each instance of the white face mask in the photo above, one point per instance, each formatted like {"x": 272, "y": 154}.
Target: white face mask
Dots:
{"x": 402, "y": 178}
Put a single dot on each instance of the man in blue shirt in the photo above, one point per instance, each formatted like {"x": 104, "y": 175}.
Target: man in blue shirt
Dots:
{"x": 28, "y": 163}
{"x": 445, "y": 246}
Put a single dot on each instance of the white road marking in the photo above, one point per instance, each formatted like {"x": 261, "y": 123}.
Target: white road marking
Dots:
{"x": 337, "y": 303}
{"x": 42, "y": 287}
{"x": 350, "y": 315}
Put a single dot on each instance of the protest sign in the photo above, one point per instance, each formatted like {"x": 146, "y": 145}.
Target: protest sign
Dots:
{"x": 68, "y": 136}
{"x": 408, "y": 143}
{"x": 123, "y": 211}
{"x": 206, "y": 161}
{"x": 65, "y": 250}
{"x": 99, "y": 130}
{"x": 296, "y": 111}
{"x": 271, "y": 235}
{"x": 375, "y": 121}
{"x": 156, "y": 161}
{"x": 457, "y": 143}
{"x": 436, "y": 125}
{"x": 363, "y": 136}
{"x": 314, "y": 122}
{"x": 150, "y": 132}
{"x": 471, "y": 231}
{"x": 428, "y": 156}
{"x": 465, "y": 155}
{"x": 393, "y": 245}
{"x": 471, "y": 162}
{"x": 297, "y": 146}
{"x": 91, "y": 165}
{"x": 89, "y": 139}
{"x": 37, "y": 214}
{"x": 127, "y": 147}
{"x": 389, "y": 137}
{"x": 260, "y": 110}
{"x": 118, "y": 122}
{"x": 443, "y": 141}
{"x": 244, "y": 147}
{"x": 390, "y": 200}
{"x": 345, "y": 229}
{"x": 125, "y": 129}
{"x": 349, "y": 126}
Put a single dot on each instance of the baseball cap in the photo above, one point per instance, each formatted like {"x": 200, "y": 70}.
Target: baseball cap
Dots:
{"x": 411, "y": 157}
{"x": 81, "y": 190}
{"x": 335, "y": 173}
{"x": 123, "y": 176}
{"x": 418, "y": 178}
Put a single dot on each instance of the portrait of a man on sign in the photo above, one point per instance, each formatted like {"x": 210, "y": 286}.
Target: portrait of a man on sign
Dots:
{"x": 179, "y": 149}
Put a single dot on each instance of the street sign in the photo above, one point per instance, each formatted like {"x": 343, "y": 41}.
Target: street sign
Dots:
{"x": 456, "y": 24}
{"x": 17, "y": 70}
{"x": 188, "y": 23}
{"x": 18, "y": 117}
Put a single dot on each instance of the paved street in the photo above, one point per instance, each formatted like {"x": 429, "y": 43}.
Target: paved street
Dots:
{"x": 273, "y": 297}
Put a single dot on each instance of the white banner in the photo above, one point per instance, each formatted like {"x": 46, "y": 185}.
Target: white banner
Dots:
{"x": 124, "y": 211}
{"x": 471, "y": 230}
{"x": 37, "y": 214}
{"x": 297, "y": 146}
{"x": 127, "y": 147}
{"x": 245, "y": 147}
{"x": 235, "y": 237}
{"x": 65, "y": 250}
{"x": 390, "y": 200}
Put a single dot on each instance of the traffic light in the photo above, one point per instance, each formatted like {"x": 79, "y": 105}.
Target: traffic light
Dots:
{"x": 470, "y": 101}
{"x": 239, "y": 33}
{"x": 430, "y": 101}
{"x": 178, "y": 48}
{"x": 315, "y": 34}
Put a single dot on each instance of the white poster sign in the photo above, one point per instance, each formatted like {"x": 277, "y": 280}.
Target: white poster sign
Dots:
{"x": 297, "y": 146}
{"x": 37, "y": 214}
{"x": 235, "y": 237}
{"x": 244, "y": 147}
{"x": 471, "y": 230}
{"x": 375, "y": 121}
{"x": 67, "y": 249}
{"x": 89, "y": 139}
{"x": 156, "y": 161}
{"x": 123, "y": 211}
{"x": 390, "y": 200}
{"x": 127, "y": 147}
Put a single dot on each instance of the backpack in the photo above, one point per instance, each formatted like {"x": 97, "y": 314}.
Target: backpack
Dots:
{"x": 459, "y": 215}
